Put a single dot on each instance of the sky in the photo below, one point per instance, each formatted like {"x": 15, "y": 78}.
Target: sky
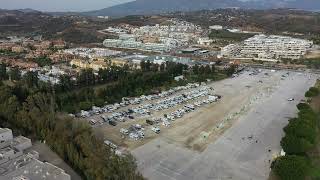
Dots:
{"x": 59, "y": 5}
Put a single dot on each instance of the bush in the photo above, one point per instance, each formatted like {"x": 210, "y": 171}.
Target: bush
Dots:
{"x": 312, "y": 92}
{"x": 303, "y": 106}
{"x": 85, "y": 105}
{"x": 291, "y": 167}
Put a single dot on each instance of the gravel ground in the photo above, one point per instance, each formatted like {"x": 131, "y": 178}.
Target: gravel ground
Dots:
{"x": 239, "y": 131}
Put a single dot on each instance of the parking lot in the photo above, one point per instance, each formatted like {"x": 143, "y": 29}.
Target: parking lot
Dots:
{"x": 234, "y": 138}
{"x": 140, "y": 119}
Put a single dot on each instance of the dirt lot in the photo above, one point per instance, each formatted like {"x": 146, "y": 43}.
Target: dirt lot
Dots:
{"x": 314, "y": 53}
{"x": 196, "y": 129}
{"x": 252, "y": 121}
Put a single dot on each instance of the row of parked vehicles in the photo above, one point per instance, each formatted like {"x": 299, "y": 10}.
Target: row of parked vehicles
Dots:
{"x": 173, "y": 101}
{"x": 136, "y": 132}
{"x": 145, "y": 109}
{"x": 133, "y": 101}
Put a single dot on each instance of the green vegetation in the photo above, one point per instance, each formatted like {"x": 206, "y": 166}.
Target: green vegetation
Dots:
{"x": 226, "y": 35}
{"x": 3, "y": 72}
{"x": 312, "y": 92}
{"x": 8, "y": 53}
{"x": 312, "y": 63}
{"x": 43, "y": 61}
{"x": 301, "y": 141}
{"x": 28, "y": 107}
{"x": 110, "y": 85}
{"x": 291, "y": 167}
{"x": 316, "y": 39}
{"x": 14, "y": 74}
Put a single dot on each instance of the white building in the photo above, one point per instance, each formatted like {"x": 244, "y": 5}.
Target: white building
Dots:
{"x": 5, "y": 134}
{"x": 132, "y": 44}
{"x": 205, "y": 41}
{"x": 269, "y": 47}
{"x": 216, "y": 27}
{"x": 230, "y": 50}
{"x": 18, "y": 164}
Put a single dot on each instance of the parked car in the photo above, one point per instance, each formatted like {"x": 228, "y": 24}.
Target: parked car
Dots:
{"x": 150, "y": 122}
{"x": 112, "y": 123}
{"x": 156, "y": 129}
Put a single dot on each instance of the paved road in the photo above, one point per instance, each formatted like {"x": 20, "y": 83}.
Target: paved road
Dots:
{"x": 233, "y": 155}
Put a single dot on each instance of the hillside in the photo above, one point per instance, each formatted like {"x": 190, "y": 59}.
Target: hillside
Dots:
{"x": 143, "y": 7}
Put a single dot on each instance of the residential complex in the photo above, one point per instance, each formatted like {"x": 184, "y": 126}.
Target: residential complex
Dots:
{"x": 92, "y": 52}
{"x": 17, "y": 162}
{"x": 268, "y": 47}
{"x": 158, "y": 38}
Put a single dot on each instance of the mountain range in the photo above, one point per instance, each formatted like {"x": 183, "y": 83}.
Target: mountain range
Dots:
{"x": 144, "y": 7}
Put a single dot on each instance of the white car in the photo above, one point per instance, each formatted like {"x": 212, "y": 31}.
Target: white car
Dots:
{"x": 124, "y": 131}
{"x": 291, "y": 99}
{"x": 166, "y": 123}
{"x": 156, "y": 130}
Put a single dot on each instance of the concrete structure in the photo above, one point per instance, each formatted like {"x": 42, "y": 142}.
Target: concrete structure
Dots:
{"x": 16, "y": 164}
{"x": 133, "y": 44}
{"x": 178, "y": 78}
{"x": 269, "y": 47}
{"x": 5, "y": 134}
{"x": 216, "y": 27}
{"x": 92, "y": 52}
{"x": 163, "y": 59}
{"x": 89, "y": 64}
{"x": 204, "y": 41}
{"x": 99, "y": 63}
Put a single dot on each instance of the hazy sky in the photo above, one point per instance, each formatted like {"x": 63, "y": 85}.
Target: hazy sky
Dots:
{"x": 59, "y": 5}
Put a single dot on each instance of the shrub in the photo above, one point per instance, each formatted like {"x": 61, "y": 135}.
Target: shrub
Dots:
{"x": 291, "y": 167}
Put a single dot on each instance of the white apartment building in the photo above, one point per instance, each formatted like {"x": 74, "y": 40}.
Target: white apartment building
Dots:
{"x": 129, "y": 44}
{"x": 216, "y": 27}
{"x": 269, "y": 47}
{"x": 231, "y": 50}
{"x": 204, "y": 41}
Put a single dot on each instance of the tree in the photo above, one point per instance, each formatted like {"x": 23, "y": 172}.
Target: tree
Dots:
{"x": 213, "y": 68}
{"x": 303, "y": 106}
{"x": 195, "y": 69}
{"x": 43, "y": 61}
{"x": 231, "y": 70}
{"x": 15, "y": 74}
{"x": 292, "y": 144}
{"x": 31, "y": 79}
{"x": 301, "y": 129}
{"x": 291, "y": 167}
{"x": 312, "y": 92}
{"x": 3, "y": 72}
{"x": 66, "y": 83}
